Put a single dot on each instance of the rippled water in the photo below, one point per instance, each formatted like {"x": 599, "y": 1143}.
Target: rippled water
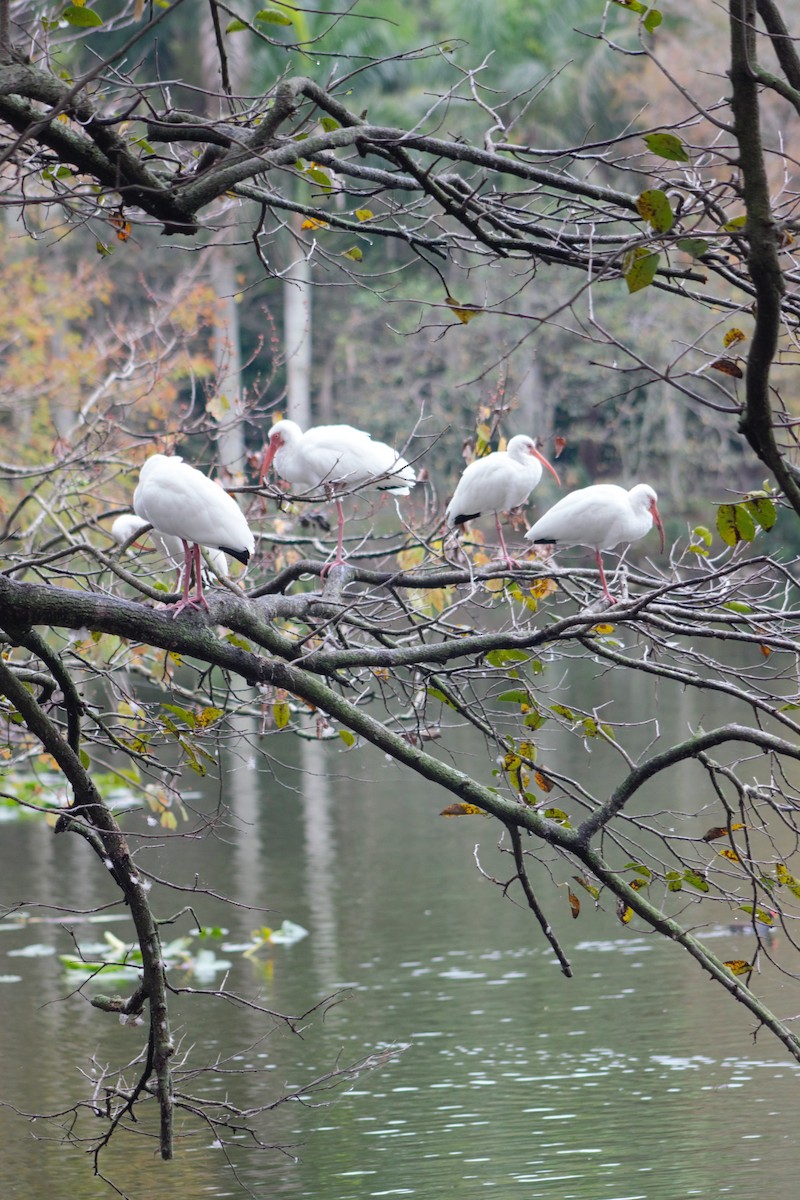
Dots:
{"x": 636, "y": 1080}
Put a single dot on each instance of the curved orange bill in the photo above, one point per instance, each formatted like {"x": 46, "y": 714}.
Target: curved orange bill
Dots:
{"x": 266, "y": 462}
{"x": 536, "y": 454}
{"x": 655, "y": 515}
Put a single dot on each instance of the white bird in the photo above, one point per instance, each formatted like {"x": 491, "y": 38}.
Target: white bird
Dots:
{"x": 497, "y": 483}
{"x": 179, "y": 501}
{"x": 128, "y": 525}
{"x": 601, "y": 517}
{"x": 335, "y": 457}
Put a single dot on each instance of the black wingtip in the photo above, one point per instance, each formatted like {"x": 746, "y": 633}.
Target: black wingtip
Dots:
{"x": 543, "y": 541}
{"x": 242, "y": 556}
{"x": 462, "y": 518}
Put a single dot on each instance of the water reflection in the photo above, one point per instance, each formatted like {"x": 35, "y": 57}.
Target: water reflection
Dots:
{"x": 637, "y": 1079}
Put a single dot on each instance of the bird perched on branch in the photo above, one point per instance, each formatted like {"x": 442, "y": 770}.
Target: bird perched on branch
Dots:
{"x": 182, "y": 502}
{"x": 337, "y": 458}
{"x": 601, "y": 516}
{"x": 497, "y": 483}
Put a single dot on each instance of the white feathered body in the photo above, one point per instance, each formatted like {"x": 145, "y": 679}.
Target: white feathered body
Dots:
{"x": 497, "y": 483}
{"x": 601, "y": 516}
{"x": 182, "y": 502}
{"x": 339, "y": 455}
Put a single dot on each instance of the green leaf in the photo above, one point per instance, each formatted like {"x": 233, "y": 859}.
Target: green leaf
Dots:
{"x": 561, "y": 710}
{"x": 501, "y": 658}
{"x": 320, "y": 177}
{"x": 83, "y": 18}
{"x": 517, "y": 696}
{"x": 347, "y": 737}
{"x": 639, "y": 268}
{"x": 654, "y": 207}
{"x": 86, "y": 762}
{"x": 237, "y": 641}
{"x": 734, "y": 524}
{"x": 704, "y": 533}
{"x": 763, "y": 510}
{"x": 653, "y": 17}
{"x": 558, "y": 815}
{"x": 185, "y": 715}
{"x": 666, "y": 145}
{"x": 355, "y": 253}
{"x": 282, "y": 714}
{"x": 272, "y": 16}
{"x": 674, "y": 881}
{"x": 436, "y": 694}
{"x": 534, "y": 719}
{"x": 696, "y": 247}
{"x": 737, "y": 607}
{"x": 735, "y": 224}
{"x": 329, "y": 124}
{"x": 590, "y": 727}
{"x": 235, "y": 26}
{"x": 639, "y": 869}
{"x": 695, "y": 880}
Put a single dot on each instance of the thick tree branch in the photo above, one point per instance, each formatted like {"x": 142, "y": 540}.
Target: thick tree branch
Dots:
{"x": 763, "y": 241}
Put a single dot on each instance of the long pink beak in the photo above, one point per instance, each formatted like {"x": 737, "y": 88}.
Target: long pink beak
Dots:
{"x": 266, "y": 462}
{"x": 657, "y": 519}
{"x": 545, "y": 463}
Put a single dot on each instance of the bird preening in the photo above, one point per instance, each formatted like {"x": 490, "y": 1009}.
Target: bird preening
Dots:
{"x": 186, "y": 509}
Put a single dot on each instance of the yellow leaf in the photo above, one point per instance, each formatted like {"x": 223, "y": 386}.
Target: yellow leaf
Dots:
{"x": 364, "y": 214}
{"x": 543, "y": 588}
{"x": 733, "y": 336}
{"x": 731, "y": 854}
{"x": 544, "y": 783}
{"x": 282, "y": 714}
{"x": 603, "y": 629}
{"x": 738, "y": 966}
{"x": 208, "y": 716}
{"x": 413, "y": 557}
{"x": 624, "y": 912}
{"x": 354, "y": 253}
{"x": 169, "y": 820}
{"x": 465, "y": 315}
{"x": 462, "y": 810}
{"x": 574, "y": 903}
{"x": 313, "y": 223}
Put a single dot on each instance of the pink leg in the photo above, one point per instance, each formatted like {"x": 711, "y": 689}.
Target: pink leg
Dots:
{"x": 510, "y": 562}
{"x": 338, "y": 561}
{"x": 609, "y": 597}
{"x": 191, "y": 558}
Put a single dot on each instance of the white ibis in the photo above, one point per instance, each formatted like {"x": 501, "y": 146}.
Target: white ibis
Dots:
{"x": 497, "y": 483}
{"x": 128, "y": 525}
{"x": 601, "y": 517}
{"x": 182, "y": 502}
{"x": 335, "y": 457}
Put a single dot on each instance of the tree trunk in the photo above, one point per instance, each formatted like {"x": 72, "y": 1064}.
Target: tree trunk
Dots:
{"x": 297, "y": 331}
